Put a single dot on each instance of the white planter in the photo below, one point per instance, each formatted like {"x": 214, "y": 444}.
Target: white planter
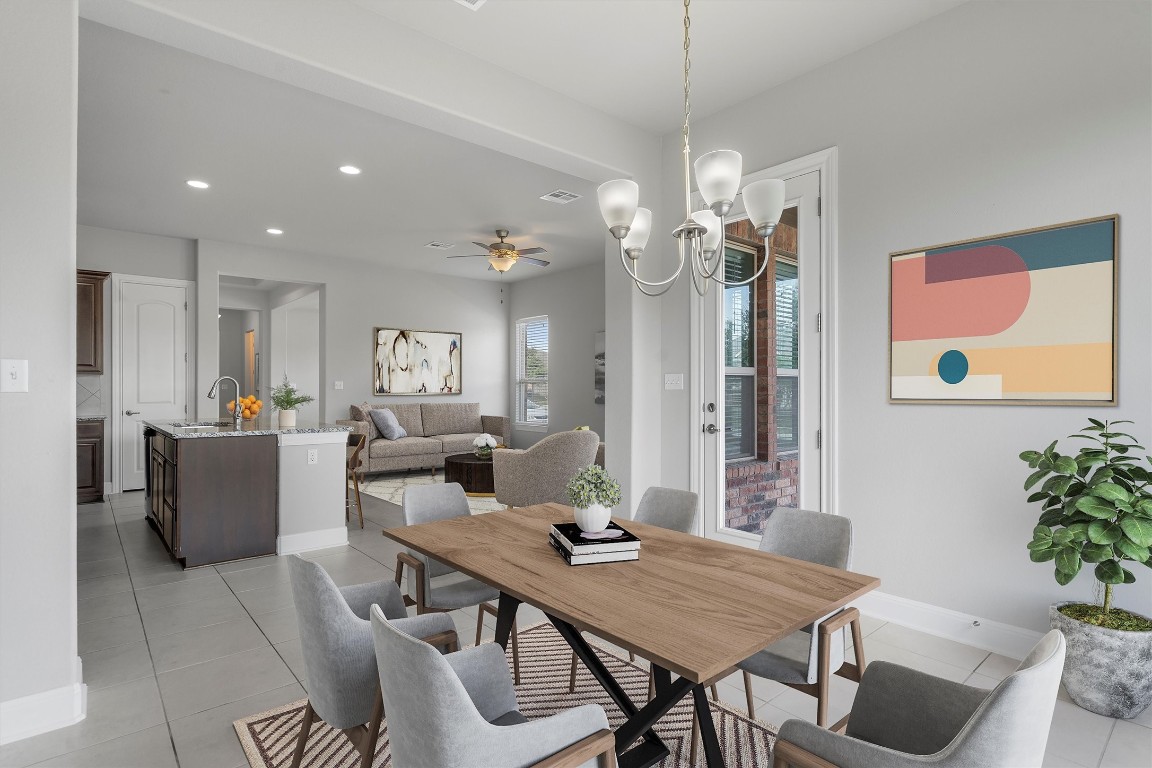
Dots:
{"x": 287, "y": 419}
{"x": 1105, "y": 670}
{"x": 593, "y": 518}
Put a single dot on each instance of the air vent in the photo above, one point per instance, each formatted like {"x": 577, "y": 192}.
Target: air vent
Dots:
{"x": 473, "y": 5}
{"x": 560, "y": 196}
{"x": 440, "y": 246}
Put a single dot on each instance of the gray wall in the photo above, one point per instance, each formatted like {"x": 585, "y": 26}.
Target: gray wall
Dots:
{"x": 233, "y": 324}
{"x": 989, "y": 118}
{"x": 295, "y": 339}
{"x": 574, "y": 303}
{"x": 133, "y": 253}
{"x": 38, "y": 323}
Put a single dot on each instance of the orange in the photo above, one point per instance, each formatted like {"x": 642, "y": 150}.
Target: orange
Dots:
{"x": 259, "y": 403}
{"x": 255, "y": 407}
{"x": 247, "y": 413}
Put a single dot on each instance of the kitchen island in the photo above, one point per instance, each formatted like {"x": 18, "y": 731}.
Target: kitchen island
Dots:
{"x": 215, "y": 493}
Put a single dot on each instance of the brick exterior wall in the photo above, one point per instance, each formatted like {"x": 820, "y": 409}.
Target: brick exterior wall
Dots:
{"x": 755, "y": 487}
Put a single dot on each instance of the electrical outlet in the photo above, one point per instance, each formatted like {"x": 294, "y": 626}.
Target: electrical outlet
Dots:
{"x": 313, "y": 456}
{"x": 673, "y": 381}
{"x": 339, "y": 385}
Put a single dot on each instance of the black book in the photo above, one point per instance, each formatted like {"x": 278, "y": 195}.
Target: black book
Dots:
{"x": 612, "y": 539}
{"x": 596, "y": 557}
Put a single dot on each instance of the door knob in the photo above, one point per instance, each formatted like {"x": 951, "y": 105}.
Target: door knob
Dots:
{"x": 131, "y": 413}
{"x": 711, "y": 429}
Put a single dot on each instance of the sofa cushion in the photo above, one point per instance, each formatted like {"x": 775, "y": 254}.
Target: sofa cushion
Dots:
{"x": 361, "y": 413}
{"x": 408, "y": 414}
{"x": 459, "y": 443}
{"x": 451, "y": 418}
{"x": 386, "y": 423}
{"x": 405, "y": 446}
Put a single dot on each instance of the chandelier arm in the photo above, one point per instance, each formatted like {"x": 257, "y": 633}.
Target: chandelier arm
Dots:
{"x": 754, "y": 278}
{"x": 702, "y": 262}
{"x": 660, "y": 292}
{"x": 697, "y": 281}
{"x": 651, "y": 284}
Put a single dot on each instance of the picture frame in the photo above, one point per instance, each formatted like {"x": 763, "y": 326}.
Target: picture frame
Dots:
{"x": 409, "y": 362}
{"x": 1022, "y": 318}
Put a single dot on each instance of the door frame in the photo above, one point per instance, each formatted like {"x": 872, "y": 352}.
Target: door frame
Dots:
{"x": 118, "y": 280}
{"x": 825, "y": 161}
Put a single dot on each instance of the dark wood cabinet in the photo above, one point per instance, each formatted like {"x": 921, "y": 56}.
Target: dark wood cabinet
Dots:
{"x": 90, "y": 321}
{"x": 213, "y": 499}
{"x": 89, "y": 461}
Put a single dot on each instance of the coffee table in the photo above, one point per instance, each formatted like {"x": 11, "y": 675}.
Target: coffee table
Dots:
{"x": 692, "y": 606}
{"x": 472, "y": 472}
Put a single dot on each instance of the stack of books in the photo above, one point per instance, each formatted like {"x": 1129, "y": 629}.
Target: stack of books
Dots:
{"x": 611, "y": 545}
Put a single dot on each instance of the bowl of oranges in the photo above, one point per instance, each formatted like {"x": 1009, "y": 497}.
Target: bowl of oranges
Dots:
{"x": 249, "y": 407}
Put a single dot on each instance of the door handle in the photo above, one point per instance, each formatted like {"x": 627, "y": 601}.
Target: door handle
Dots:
{"x": 711, "y": 429}
{"x": 131, "y": 413}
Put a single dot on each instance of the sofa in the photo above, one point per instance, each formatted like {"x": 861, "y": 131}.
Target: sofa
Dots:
{"x": 435, "y": 431}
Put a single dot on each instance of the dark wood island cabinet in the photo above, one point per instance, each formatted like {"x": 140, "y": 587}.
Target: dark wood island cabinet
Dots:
{"x": 212, "y": 499}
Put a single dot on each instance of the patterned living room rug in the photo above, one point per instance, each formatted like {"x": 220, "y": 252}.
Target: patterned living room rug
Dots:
{"x": 269, "y": 738}
{"x": 390, "y": 486}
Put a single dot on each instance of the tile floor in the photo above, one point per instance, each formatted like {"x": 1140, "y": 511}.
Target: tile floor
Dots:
{"x": 172, "y": 657}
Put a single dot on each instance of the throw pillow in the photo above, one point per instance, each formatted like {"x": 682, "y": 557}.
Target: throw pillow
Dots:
{"x": 363, "y": 413}
{"x": 386, "y": 422}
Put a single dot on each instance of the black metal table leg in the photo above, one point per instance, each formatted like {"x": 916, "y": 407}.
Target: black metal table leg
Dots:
{"x": 505, "y": 616}
{"x": 707, "y": 728}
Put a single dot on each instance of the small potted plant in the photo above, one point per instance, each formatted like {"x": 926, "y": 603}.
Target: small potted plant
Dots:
{"x": 1096, "y": 508}
{"x": 484, "y": 444}
{"x": 593, "y": 493}
{"x": 286, "y": 399}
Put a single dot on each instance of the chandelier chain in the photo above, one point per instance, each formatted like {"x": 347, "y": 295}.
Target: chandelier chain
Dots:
{"x": 687, "y": 68}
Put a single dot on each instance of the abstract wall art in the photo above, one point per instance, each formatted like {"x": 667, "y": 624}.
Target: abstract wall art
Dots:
{"x": 1025, "y": 317}
{"x": 598, "y": 379}
{"x": 415, "y": 362}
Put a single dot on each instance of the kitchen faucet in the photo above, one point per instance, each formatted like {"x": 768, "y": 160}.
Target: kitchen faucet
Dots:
{"x": 236, "y": 410}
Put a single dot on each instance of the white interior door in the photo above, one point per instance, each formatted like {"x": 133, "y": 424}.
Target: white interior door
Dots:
{"x": 152, "y": 371}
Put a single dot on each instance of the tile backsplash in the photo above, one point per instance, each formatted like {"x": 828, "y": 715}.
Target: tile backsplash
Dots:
{"x": 90, "y": 395}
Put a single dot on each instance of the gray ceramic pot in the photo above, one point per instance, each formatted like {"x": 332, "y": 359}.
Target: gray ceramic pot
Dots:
{"x": 1106, "y": 671}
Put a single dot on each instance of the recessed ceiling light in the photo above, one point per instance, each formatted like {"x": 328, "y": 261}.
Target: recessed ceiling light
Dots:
{"x": 197, "y": 184}
{"x": 351, "y": 170}
{"x": 274, "y": 231}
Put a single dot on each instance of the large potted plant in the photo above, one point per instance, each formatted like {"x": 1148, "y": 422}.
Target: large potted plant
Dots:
{"x": 1096, "y": 509}
{"x": 286, "y": 399}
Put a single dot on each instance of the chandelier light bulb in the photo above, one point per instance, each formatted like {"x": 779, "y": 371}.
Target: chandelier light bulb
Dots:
{"x": 718, "y": 178}
{"x": 618, "y": 201}
{"x": 711, "y": 240}
{"x": 764, "y": 201}
{"x": 637, "y": 236}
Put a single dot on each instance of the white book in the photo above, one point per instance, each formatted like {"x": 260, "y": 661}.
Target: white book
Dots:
{"x": 589, "y": 559}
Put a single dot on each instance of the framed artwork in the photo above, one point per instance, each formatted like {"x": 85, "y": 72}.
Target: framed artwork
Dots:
{"x": 415, "y": 362}
{"x": 598, "y": 368}
{"x": 1021, "y": 318}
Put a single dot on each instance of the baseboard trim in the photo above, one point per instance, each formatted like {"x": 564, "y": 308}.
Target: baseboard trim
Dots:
{"x": 1004, "y": 639}
{"x": 42, "y": 712}
{"x": 303, "y": 542}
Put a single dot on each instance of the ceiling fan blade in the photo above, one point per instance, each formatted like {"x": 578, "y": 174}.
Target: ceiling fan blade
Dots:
{"x": 537, "y": 262}
{"x": 530, "y": 251}
{"x": 467, "y": 256}
{"x": 480, "y": 245}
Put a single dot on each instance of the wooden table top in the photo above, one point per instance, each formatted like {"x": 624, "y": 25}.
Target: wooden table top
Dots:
{"x": 692, "y": 605}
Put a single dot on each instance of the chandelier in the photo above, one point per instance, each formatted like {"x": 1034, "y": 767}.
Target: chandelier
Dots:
{"x": 700, "y": 239}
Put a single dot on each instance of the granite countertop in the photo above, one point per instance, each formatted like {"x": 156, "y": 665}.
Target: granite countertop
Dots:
{"x": 262, "y": 425}
{"x": 91, "y": 418}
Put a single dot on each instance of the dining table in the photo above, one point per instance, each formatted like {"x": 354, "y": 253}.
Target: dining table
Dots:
{"x": 694, "y": 607}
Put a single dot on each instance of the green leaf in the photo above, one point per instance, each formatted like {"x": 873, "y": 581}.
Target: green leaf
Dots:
{"x": 1096, "y": 553}
{"x": 1038, "y": 496}
{"x": 1029, "y": 456}
{"x": 1079, "y": 531}
{"x": 1061, "y": 486}
{"x": 1043, "y": 555}
{"x": 1100, "y": 476}
{"x": 1065, "y": 465}
{"x": 1068, "y": 560}
{"x": 1133, "y": 551}
{"x": 1095, "y": 507}
{"x": 1062, "y": 537}
{"x": 1138, "y": 529}
{"x": 1129, "y": 577}
{"x": 1050, "y": 448}
{"x": 1052, "y": 517}
{"x": 1037, "y": 545}
{"x": 1110, "y": 572}
{"x": 1035, "y": 477}
{"x": 1096, "y": 423}
{"x": 1104, "y": 532}
{"x": 1063, "y": 578}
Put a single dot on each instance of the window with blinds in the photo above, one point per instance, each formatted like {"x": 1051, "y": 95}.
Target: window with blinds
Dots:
{"x": 532, "y": 371}
{"x": 739, "y": 364}
{"x": 787, "y": 409}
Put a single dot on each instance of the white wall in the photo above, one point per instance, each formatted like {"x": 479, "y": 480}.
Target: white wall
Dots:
{"x": 989, "y": 118}
{"x": 133, "y": 253}
{"x": 295, "y": 337}
{"x": 574, "y": 303}
{"x": 40, "y": 685}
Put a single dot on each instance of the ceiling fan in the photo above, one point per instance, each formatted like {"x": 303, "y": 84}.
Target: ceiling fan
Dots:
{"x": 503, "y": 256}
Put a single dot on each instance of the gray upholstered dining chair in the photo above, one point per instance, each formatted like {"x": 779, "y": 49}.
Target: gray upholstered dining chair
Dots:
{"x": 903, "y": 718}
{"x": 669, "y": 508}
{"x": 339, "y": 658}
{"x": 459, "y": 710}
{"x": 427, "y": 504}
{"x": 798, "y": 660}
{"x": 541, "y": 473}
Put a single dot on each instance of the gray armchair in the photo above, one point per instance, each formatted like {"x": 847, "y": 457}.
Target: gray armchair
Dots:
{"x": 902, "y": 718}
{"x": 540, "y": 473}
{"x": 459, "y": 711}
{"x": 339, "y": 659}
{"x": 807, "y": 659}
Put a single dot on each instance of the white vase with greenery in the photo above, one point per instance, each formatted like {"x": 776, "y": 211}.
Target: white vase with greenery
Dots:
{"x": 593, "y": 494}
{"x": 286, "y": 399}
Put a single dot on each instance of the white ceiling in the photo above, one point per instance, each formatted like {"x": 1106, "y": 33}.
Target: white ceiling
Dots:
{"x": 625, "y": 57}
{"x": 152, "y": 116}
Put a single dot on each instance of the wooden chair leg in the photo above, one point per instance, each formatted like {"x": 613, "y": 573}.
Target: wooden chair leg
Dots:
{"x": 515, "y": 655}
{"x": 345, "y": 498}
{"x": 695, "y": 738}
{"x": 748, "y": 695}
{"x": 825, "y": 653}
{"x": 359, "y": 506}
{"x": 651, "y": 685}
{"x": 368, "y": 754}
{"x": 480, "y": 623}
{"x": 572, "y": 674}
{"x": 715, "y": 692}
{"x": 302, "y": 739}
{"x": 631, "y": 655}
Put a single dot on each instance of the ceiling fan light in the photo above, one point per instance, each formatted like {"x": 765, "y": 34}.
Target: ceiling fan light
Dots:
{"x": 718, "y": 178}
{"x": 501, "y": 263}
{"x": 618, "y": 201}
{"x": 764, "y": 201}
{"x": 638, "y": 233}
{"x": 711, "y": 222}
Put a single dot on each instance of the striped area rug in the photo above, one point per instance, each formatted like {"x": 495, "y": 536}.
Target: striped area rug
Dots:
{"x": 269, "y": 737}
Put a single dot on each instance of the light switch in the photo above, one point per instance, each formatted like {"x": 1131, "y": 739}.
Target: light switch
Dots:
{"x": 339, "y": 385}
{"x": 13, "y": 375}
{"x": 673, "y": 381}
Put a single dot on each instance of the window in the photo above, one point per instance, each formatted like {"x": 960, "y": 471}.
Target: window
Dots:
{"x": 532, "y": 371}
{"x": 787, "y": 357}
{"x": 739, "y": 363}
